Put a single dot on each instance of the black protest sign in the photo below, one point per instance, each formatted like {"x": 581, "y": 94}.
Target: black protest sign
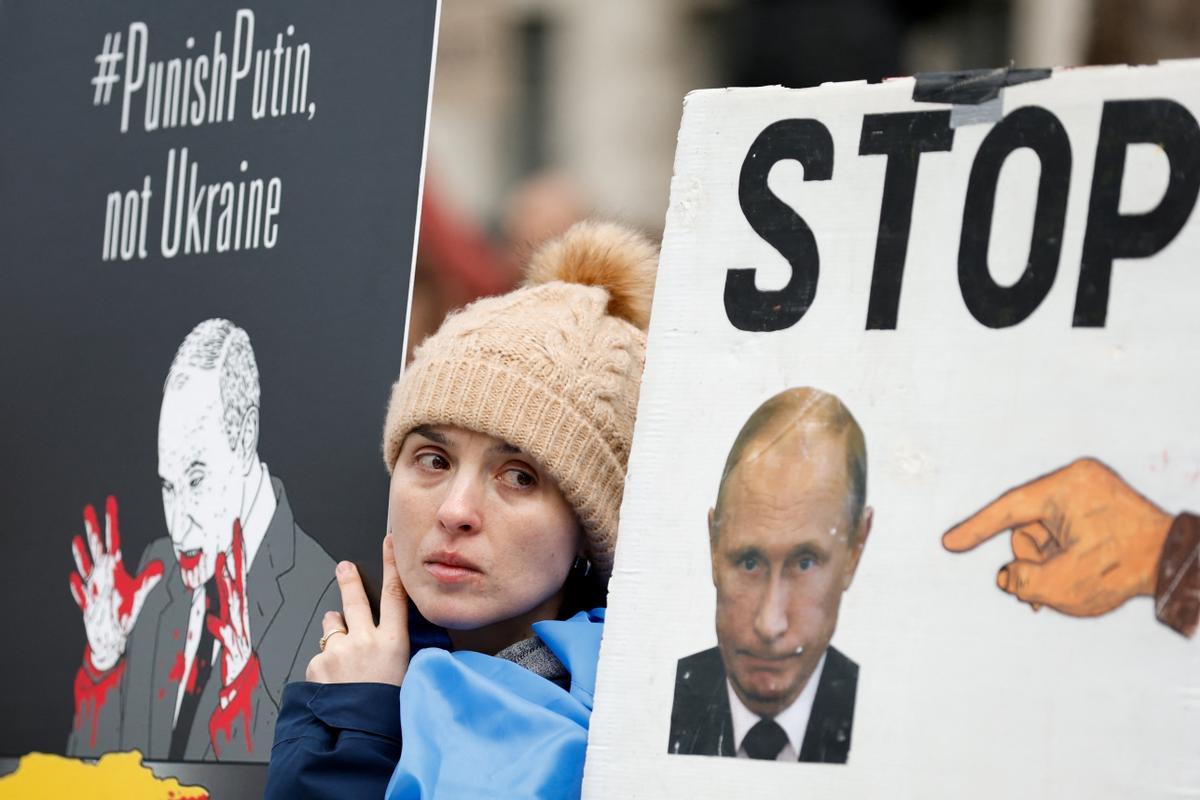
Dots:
{"x": 207, "y": 225}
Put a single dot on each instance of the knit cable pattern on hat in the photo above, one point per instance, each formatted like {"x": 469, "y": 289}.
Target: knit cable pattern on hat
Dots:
{"x": 547, "y": 369}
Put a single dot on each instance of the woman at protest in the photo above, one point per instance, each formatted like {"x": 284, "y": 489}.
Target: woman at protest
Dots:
{"x": 507, "y": 440}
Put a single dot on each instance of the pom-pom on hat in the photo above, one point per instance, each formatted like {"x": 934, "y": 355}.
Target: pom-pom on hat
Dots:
{"x": 552, "y": 367}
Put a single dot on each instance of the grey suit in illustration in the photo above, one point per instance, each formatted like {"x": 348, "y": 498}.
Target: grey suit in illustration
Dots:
{"x": 289, "y": 586}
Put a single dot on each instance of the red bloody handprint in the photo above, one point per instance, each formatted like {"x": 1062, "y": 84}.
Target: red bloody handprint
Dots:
{"x": 108, "y": 596}
{"x": 231, "y": 627}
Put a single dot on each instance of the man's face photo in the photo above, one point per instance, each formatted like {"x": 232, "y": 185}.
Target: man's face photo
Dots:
{"x": 202, "y": 475}
{"x": 785, "y": 544}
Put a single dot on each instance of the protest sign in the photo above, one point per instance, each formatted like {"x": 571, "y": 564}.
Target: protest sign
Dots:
{"x": 910, "y": 498}
{"x": 208, "y": 223}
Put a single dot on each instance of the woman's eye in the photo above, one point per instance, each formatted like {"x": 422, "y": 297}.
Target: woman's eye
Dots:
{"x": 518, "y": 478}
{"x": 434, "y": 461}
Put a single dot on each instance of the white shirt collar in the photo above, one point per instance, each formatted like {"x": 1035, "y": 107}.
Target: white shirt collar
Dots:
{"x": 793, "y": 719}
{"x": 258, "y": 517}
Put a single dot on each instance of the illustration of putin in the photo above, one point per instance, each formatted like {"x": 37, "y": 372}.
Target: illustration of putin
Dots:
{"x": 186, "y": 658}
{"x": 785, "y": 534}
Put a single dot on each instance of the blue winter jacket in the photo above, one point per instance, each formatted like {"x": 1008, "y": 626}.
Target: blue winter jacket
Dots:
{"x": 473, "y": 726}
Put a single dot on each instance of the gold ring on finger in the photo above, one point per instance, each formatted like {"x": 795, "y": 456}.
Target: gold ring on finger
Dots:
{"x": 325, "y": 639}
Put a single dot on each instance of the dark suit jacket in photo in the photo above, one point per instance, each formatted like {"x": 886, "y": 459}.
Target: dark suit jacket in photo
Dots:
{"x": 701, "y": 723}
{"x": 289, "y": 586}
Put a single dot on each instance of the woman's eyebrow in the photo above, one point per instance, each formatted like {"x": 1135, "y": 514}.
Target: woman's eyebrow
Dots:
{"x": 506, "y": 448}
{"x": 430, "y": 434}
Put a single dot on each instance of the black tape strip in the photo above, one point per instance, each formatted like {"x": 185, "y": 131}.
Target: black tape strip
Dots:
{"x": 971, "y": 86}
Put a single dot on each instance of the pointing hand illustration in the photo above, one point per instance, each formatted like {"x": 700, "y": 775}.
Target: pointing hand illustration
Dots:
{"x": 1083, "y": 541}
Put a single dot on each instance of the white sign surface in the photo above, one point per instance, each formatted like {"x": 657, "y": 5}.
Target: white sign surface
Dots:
{"x": 995, "y": 289}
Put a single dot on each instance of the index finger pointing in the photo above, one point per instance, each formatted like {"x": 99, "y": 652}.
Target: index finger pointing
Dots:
{"x": 393, "y": 602}
{"x": 1019, "y": 506}
{"x": 355, "y": 606}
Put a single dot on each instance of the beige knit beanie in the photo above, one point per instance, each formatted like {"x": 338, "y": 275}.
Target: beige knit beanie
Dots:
{"x": 552, "y": 368}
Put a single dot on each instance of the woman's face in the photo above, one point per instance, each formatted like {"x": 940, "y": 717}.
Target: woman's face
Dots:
{"x": 482, "y": 534}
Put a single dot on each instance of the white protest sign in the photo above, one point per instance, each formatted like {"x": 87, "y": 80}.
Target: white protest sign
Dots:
{"x": 994, "y": 278}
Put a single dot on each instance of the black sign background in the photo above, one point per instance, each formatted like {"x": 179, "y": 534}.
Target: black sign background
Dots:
{"x": 85, "y": 344}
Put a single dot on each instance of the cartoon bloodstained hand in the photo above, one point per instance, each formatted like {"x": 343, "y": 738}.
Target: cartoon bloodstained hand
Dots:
{"x": 1083, "y": 541}
{"x": 239, "y": 664}
{"x": 108, "y": 596}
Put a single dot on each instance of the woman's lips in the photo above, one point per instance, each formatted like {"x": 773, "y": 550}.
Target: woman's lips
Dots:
{"x": 451, "y": 568}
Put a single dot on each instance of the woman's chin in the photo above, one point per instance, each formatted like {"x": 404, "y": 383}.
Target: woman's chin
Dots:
{"x": 451, "y": 613}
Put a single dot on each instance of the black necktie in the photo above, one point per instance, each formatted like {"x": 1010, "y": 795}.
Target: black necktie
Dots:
{"x": 765, "y": 740}
{"x": 202, "y": 668}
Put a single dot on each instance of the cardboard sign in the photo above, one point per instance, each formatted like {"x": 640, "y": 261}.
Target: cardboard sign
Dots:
{"x": 207, "y": 228}
{"x": 909, "y": 509}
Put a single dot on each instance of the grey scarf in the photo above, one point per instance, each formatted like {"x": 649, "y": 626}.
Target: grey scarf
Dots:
{"x": 535, "y": 656}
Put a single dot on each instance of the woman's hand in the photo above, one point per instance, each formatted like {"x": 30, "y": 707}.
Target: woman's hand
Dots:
{"x": 363, "y": 652}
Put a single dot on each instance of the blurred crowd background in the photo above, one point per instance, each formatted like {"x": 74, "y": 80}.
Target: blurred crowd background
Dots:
{"x": 547, "y": 111}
